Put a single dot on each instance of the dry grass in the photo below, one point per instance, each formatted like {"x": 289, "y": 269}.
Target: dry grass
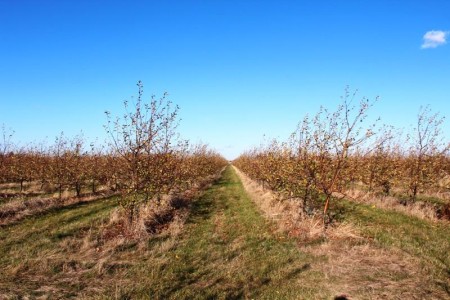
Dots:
{"x": 364, "y": 271}
{"x": 51, "y": 255}
{"x": 83, "y": 250}
{"x": 22, "y": 206}
{"x": 353, "y": 265}
{"x": 18, "y": 209}
{"x": 420, "y": 209}
{"x": 153, "y": 219}
{"x": 289, "y": 216}
{"x": 31, "y": 186}
{"x": 224, "y": 249}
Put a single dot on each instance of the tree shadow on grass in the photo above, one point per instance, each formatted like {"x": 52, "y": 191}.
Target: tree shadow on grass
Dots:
{"x": 223, "y": 272}
{"x": 59, "y": 209}
{"x": 195, "y": 278}
{"x": 37, "y": 232}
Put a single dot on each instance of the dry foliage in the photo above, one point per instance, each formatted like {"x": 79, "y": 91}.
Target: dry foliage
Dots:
{"x": 354, "y": 267}
{"x": 167, "y": 216}
{"x": 332, "y": 152}
{"x": 103, "y": 255}
{"x": 289, "y": 216}
{"x": 144, "y": 160}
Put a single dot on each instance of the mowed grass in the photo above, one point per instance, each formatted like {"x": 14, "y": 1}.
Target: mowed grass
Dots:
{"x": 227, "y": 251}
{"x": 224, "y": 250}
{"x": 33, "y": 252}
{"x": 429, "y": 241}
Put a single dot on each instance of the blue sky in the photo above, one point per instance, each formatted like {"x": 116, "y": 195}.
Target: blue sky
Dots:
{"x": 237, "y": 69}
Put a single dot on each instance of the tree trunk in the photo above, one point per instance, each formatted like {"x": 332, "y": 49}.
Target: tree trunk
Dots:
{"x": 78, "y": 189}
{"x": 305, "y": 200}
{"x": 414, "y": 192}
{"x": 325, "y": 210}
{"x": 371, "y": 181}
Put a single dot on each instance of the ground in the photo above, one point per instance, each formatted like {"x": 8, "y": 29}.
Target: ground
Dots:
{"x": 226, "y": 248}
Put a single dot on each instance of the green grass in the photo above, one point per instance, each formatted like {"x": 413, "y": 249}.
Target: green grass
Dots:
{"x": 433, "y": 200}
{"x": 32, "y": 248}
{"x": 227, "y": 251}
{"x": 429, "y": 241}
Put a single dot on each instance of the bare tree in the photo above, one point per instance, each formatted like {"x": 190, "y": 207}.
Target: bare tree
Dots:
{"x": 143, "y": 139}
{"x": 6, "y": 146}
{"x": 58, "y": 170}
{"x": 327, "y": 140}
{"x": 426, "y": 144}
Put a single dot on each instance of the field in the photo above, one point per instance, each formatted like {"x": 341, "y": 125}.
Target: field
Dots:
{"x": 335, "y": 212}
{"x": 223, "y": 247}
{"x": 278, "y": 150}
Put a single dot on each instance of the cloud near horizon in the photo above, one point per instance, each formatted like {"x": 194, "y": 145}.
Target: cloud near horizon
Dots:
{"x": 434, "y": 38}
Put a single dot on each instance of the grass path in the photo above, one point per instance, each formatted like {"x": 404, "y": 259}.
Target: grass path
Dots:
{"x": 227, "y": 251}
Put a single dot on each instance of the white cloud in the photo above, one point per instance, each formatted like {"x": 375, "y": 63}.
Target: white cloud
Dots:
{"x": 434, "y": 38}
